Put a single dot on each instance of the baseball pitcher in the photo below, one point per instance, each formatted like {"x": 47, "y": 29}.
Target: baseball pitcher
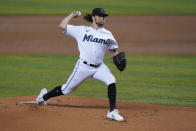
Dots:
{"x": 93, "y": 41}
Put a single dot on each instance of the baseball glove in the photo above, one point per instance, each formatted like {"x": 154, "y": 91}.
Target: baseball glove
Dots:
{"x": 120, "y": 61}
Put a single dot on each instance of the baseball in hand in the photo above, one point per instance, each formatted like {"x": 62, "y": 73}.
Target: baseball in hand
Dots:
{"x": 79, "y": 13}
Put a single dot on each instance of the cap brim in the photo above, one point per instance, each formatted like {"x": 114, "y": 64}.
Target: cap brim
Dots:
{"x": 102, "y": 14}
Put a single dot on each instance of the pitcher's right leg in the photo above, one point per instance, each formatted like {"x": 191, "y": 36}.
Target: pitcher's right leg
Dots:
{"x": 78, "y": 75}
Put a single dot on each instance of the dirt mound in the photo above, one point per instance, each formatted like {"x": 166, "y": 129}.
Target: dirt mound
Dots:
{"x": 89, "y": 114}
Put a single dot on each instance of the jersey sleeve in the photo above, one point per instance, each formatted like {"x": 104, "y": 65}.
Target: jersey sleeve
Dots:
{"x": 72, "y": 30}
{"x": 112, "y": 43}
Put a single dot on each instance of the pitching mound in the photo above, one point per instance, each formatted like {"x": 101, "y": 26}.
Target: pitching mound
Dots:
{"x": 89, "y": 114}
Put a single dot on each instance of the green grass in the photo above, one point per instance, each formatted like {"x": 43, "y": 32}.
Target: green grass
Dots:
{"x": 163, "y": 79}
{"x": 132, "y": 7}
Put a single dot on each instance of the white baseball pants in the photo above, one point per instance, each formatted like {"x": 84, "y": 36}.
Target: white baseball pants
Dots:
{"x": 82, "y": 71}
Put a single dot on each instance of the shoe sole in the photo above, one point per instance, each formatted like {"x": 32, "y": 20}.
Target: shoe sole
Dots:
{"x": 115, "y": 119}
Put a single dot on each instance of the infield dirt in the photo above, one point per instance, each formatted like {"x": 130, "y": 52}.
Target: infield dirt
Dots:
{"x": 89, "y": 114}
{"x": 135, "y": 34}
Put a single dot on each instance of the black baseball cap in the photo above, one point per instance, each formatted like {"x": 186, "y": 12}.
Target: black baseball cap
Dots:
{"x": 99, "y": 11}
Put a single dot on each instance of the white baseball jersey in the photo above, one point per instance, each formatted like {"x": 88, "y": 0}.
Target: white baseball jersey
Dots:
{"x": 92, "y": 43}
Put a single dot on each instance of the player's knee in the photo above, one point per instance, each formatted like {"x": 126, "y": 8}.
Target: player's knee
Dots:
{"x": 111, "y": 80}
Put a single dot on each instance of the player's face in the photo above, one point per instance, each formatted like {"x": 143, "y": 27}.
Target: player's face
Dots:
{"x": 99, "y": 20}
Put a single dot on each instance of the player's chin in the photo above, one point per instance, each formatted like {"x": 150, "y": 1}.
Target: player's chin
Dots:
{"x": 100, "y": 24}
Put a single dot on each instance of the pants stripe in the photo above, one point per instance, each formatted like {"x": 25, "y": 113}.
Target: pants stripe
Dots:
{"x": 72, "y": 76}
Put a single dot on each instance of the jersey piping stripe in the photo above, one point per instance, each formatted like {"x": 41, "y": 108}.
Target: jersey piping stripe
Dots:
{"x": 72, "y": 76}
{"x": 66, "y": 29}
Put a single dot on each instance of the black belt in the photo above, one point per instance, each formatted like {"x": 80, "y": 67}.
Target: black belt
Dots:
{"x": 92, "y": 64}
